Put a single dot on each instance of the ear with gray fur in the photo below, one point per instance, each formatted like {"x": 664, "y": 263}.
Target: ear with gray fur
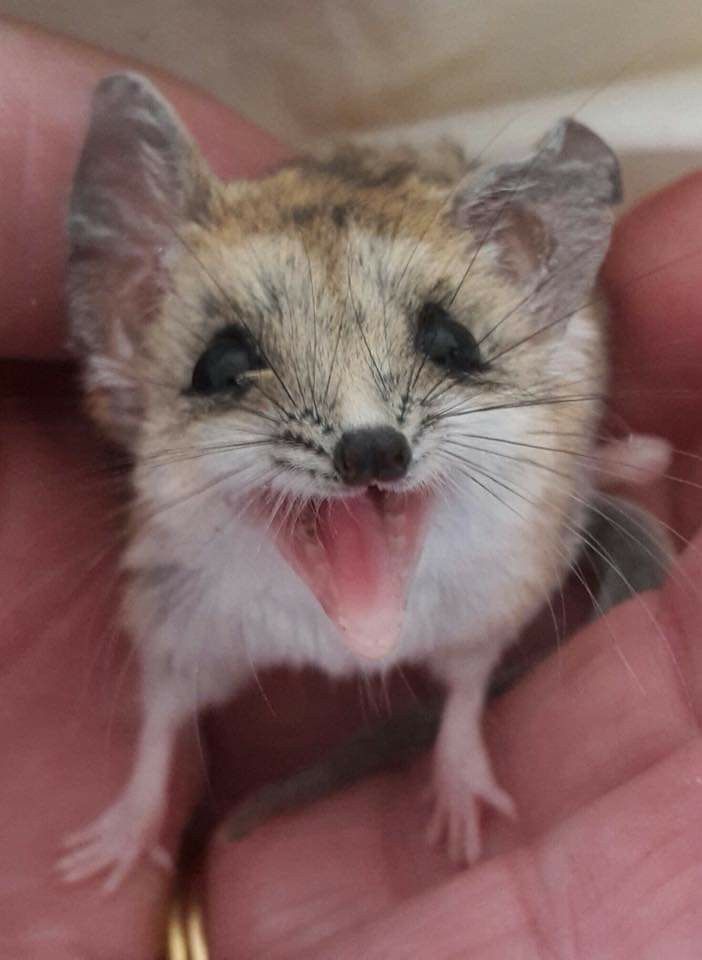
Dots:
{"x": 547, "y": 219}
{"x": 138, "y": 179}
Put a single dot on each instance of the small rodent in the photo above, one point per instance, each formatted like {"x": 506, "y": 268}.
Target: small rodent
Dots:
{"x": 361, "y": 396}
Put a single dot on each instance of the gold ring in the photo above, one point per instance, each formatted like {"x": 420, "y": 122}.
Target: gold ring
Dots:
{"x": 186, "y": 929}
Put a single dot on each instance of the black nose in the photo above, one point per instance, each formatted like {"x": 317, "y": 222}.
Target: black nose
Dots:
{"x": 373, "y": 453}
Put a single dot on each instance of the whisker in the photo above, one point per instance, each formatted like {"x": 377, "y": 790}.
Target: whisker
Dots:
{"x": 211, "y": 484}
{"x": 335, "y": 352}
{"x": 599, "y": 297}
{"x": 593, "y": 457}
{"x": 232, "y": 305}
{"x": 313, "y": 372}
{"x": 516, "y": 405}
{"x": 597, "y": 548}
{"x": 590, "y": 505}
{"x": 375, "y": 369}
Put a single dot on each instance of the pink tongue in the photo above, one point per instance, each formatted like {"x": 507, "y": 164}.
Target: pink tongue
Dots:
{"x": 359, "y": 562}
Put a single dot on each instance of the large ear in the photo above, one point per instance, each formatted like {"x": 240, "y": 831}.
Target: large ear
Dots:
{"x": 547, "y": 219}
{"x": 139, "y": 178}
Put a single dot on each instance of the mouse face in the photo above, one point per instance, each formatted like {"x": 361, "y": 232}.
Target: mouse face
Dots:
{"x": 332, "y": 352}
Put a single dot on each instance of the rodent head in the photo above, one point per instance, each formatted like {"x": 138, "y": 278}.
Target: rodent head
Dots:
{"x": 334, "y": 332}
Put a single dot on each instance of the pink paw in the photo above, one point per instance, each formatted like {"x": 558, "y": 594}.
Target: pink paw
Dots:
{"x": 455, "y": 823}
{"x": 112, "y": 844}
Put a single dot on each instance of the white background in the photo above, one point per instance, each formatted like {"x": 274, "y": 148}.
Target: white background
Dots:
{"x": 311, "y": 67}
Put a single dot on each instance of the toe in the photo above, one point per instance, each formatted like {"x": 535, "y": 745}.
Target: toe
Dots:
{"x": 161, "y": 858}
{"x": 118, "y": 873}
{"x": 83, "y": 864}
{"x": 473, "y": 841}
{"x": 501, "y": 801}
{"x": 456, "y": 838}
{"x": 436, "y": 828}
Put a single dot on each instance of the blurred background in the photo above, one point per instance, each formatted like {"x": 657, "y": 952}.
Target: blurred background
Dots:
{"x": 494, "y": 73}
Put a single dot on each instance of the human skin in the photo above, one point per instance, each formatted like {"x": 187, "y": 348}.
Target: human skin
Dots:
{"x": 599, "y": 746}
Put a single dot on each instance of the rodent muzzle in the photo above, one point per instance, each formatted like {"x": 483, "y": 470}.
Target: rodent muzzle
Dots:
{"x": 372, "y": 454}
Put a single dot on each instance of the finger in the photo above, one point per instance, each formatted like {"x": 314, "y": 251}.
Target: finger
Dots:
{"x": 653, "y": 275}
{"x": 618, "y": 879}
{"x": 67, "y": 689}
{"x": 47, "y": 85}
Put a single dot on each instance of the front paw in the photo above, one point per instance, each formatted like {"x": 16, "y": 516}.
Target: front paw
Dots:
{"x": 111, "y": 845}
{"x": 457, "y": 797}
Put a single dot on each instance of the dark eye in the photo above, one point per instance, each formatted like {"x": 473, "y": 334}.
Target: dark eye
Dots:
{"x": 445, "y": 341}
{"x": 222, "y": 366}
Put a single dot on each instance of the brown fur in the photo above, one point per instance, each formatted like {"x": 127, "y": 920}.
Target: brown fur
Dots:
{"x": 327, "y": 262}
{"x": 325, "y": 271}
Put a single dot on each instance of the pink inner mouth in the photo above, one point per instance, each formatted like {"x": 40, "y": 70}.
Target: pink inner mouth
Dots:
{"x": 357, "y": 555}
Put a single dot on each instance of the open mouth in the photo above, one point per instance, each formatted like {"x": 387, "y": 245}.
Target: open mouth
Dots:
{"x": 357, "y": 555}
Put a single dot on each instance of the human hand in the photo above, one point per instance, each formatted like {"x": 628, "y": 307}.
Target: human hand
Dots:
{"x": 599, "y": 747}
{"x": 66, "y": 685}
